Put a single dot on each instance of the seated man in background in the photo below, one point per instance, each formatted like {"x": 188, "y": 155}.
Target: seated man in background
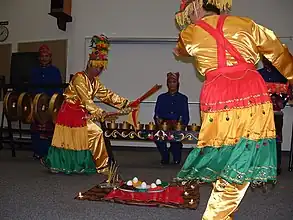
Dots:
{"x": 278, "y": 88}
{"x": 171, "y": 107}
{"x": 44, "y": 74}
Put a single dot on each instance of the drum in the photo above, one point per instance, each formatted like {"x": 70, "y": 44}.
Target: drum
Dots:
{"x": 41, "y": 112}
{"x": 25, "y": 108}
{"x": 55, "y": 105}
{"x": 10, "y": 106}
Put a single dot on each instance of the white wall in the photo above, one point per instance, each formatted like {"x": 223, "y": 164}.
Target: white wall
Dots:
{"x": 29, "y": 21}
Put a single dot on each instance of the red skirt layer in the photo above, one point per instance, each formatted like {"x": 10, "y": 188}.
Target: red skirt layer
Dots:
{"x": 71, "y": 115}
{"x": 233, "y": 87}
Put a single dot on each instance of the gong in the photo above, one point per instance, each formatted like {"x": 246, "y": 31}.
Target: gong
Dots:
{"x": 10, "y": 106}
{"x": 55, "y": 104}
{"x": 41, "y": 112}
{"x": 25, "y": 108}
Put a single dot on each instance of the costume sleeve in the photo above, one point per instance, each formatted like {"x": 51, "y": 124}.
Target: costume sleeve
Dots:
{"x": 185, "y": 42}
{"x": 81, "y": 87}
{"x": 109, "y": 97}
{"x": 270, "y": 46}
{"x": 185, "y": 115}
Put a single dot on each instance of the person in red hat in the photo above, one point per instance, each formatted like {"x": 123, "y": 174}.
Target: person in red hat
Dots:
{"x": 171, "y": 107}
{"x": 45, "y": 73}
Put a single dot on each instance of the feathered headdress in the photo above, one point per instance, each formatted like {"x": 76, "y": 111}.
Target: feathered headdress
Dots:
{"x": 186, "y": 6}
{"x": 99, "y": 49}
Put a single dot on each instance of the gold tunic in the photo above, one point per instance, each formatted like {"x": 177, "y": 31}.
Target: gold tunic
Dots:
{"x": 249, "y": 38}
{"x": 82, "y": 90}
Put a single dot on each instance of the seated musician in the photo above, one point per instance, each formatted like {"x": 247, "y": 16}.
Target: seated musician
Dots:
{"x": 279, "y": 90}
{"x": 45, "y": 73}
{"x": 171, "y": 107}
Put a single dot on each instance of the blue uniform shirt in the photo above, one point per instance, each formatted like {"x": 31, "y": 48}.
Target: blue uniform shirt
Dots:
{"x": 171, "y": 107}
{"x": 272, "y": 76}
{"x": 47, "y": 75}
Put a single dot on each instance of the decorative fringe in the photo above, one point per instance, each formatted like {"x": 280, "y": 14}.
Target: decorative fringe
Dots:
{"x": 223, "y": 5}
{"x": 70, "y": 138}
{"x": 187, "y": 6}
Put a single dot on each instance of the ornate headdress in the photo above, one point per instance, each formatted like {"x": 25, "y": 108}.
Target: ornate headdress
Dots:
{"x": 186, "y": 6}
{"x": 99, "y": 49}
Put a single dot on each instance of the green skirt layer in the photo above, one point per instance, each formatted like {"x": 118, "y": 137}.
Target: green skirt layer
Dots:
{"x": 70, "y": 161}
{"x": 247, "y": 161}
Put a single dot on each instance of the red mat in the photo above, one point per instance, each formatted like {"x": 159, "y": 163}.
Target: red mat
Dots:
{"x": 174, "y": 196}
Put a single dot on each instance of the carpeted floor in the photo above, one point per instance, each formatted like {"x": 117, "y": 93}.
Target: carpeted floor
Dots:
{"x": 29, "y": 192}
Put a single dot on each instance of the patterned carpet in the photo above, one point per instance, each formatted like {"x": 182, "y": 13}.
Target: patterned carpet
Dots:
{"x": 28, "y": 191}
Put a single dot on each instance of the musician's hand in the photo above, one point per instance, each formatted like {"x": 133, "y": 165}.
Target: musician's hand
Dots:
{"x": 129, "y": 108}
{"x": 125, "y": 111}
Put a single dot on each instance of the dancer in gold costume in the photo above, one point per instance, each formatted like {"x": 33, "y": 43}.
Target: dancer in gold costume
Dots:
{"x": 237, "y": 140}
{"x": 78, "y": 145}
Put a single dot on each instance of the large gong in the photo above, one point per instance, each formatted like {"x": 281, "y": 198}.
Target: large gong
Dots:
{"x": 55, "y": 104}
{"x": 10, "y": 106}
{"x": 25, "y": 108}
{"x": 41, "y": 112}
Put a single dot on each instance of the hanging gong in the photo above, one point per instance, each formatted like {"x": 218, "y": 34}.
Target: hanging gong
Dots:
{"x": 55, "y": 104}
{"x": 25, "y": 107}
{"x": 10, "y": 106}
{"x": 41, "y": 112}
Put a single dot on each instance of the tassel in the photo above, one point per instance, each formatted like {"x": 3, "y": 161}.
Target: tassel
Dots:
{"x": 223, "y": 5}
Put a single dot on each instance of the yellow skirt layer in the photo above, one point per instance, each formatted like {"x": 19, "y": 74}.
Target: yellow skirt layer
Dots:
{"x": 227, "y": 127}
{"x": 70, "y": 138}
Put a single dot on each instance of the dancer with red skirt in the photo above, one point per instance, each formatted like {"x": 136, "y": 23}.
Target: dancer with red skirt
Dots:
{"x": 237, "y": 140}
{"x": 78, "y": 144}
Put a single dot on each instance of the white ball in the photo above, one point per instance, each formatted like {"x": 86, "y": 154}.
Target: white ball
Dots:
{"x": 129, "y": 183}
{"x": 143, "y": 185}
{"x": 158, "y": 182}
{"x": 153, "y": 185}
{"x": 135, "y": 180}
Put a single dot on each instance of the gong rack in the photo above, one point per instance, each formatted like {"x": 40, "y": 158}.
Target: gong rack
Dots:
{"x": 22, "y": 108}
